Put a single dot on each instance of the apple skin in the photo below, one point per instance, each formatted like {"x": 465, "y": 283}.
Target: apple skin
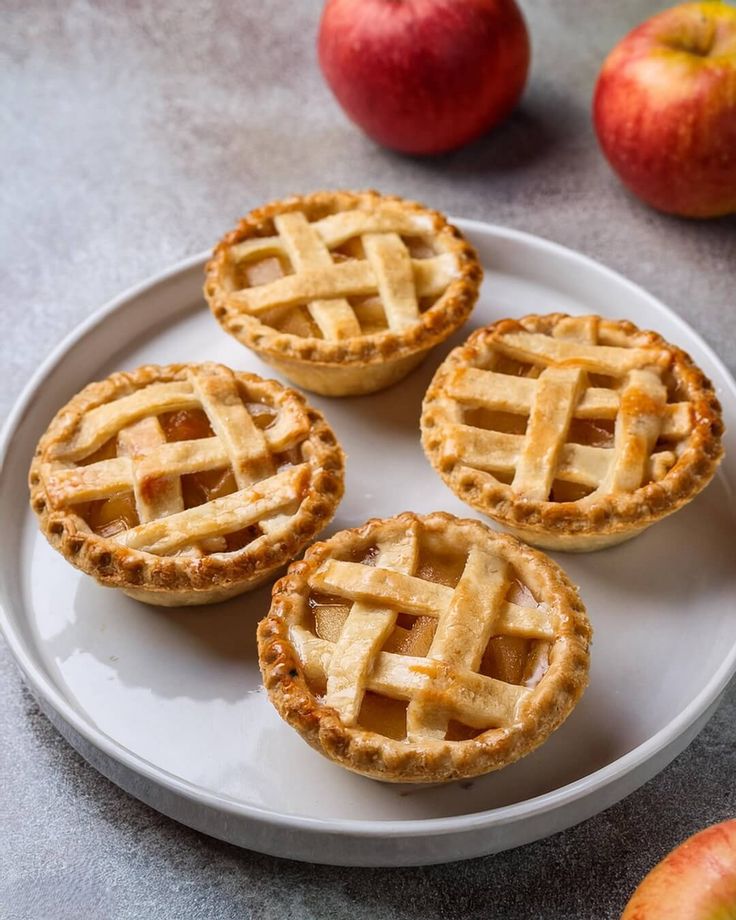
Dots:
{"x": 696, "y": 881}
{"x": 664, "y": 110}
{"x": 424, "y": 76}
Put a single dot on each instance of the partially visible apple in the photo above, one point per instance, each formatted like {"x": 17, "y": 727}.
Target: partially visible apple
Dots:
{"x": 665, "y": 110}
{"x": 696, "y": 881}
{"x": 424, "y": 76}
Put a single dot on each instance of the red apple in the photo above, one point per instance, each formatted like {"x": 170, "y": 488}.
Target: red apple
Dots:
{"x": 696, "y": 881}
{"x": 665, "y": 110}
{"x": 424, "y": 76}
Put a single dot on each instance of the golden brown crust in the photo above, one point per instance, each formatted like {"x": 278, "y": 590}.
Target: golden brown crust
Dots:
{"x": 611, "y": 517}
{"x": 182, "y": 578}
{"x": 380, "y": 757}
{"x": 435, "y": 324}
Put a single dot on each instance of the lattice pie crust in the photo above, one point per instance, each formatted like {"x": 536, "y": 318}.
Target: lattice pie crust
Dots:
{"x": 185, "y": 484}
{"x": 343, "y": 292}
{"x": 424, "y": 649}
{"x": 573, "y": 432}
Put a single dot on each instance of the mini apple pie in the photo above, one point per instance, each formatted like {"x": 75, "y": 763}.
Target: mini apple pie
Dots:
{"x": 343, "y": 292}
{"x": 424, "y": 649}
{"x": 185, "y": 484}
{"x": 575, "y": 433}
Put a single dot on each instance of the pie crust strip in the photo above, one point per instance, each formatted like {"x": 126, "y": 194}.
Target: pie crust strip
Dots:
{"x": 610, "y": 360}
{"x": 305, "y": 248}
{"x": 463, "y": 632}
{"x": 638, "y": 426}
{"x": 363, "y": 634}
{"x": 155, "y": 496}
{"x": 244, "y": 443}
{"x": 218, "y": 517}
{"x": 550, "y": 415}
{"x": 336, "y": 229}
{"x": 369, "y": 584}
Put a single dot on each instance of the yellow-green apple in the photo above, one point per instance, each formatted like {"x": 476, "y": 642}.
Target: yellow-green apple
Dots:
{"x": 424, "y": 76}
{"x": 664, "y": 110}
{"x": 696, "y": 881}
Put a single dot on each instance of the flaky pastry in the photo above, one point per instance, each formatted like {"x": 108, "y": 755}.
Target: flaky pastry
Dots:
{"x": 185, "y": 484}
{"x": 343, "y": 292}
{"x": 575, "y": 433}
{"x": 424, "y": 649}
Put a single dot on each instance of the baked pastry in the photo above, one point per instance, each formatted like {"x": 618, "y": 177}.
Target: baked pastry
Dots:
{"x": 185, "y": 484}
{"x": 342, "y": 292}
{"x": 424, "y": 649}
{"x": 574, "y": 432}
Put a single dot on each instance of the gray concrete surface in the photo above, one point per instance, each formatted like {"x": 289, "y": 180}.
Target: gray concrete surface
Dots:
{"x": 131, "y": 135}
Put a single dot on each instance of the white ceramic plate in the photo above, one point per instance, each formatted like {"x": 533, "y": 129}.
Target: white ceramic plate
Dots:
{"x": 168, "y": 703}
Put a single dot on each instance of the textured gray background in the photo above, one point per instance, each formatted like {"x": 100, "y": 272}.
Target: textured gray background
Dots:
{"x": 132, "y": 134}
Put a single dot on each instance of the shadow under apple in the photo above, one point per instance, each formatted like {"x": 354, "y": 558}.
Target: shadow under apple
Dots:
{"x": 528, "y": 135}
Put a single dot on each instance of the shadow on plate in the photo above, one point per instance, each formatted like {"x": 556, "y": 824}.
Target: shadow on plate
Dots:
{"x": 399, "y": 407}
{"x": 200, "y": 653}
{"x": 687, "y": 554}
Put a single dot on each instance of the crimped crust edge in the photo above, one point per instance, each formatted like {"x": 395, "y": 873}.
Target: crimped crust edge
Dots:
{"x": 435, "y": 324}
{"x": 614, "y": 514}
{"x": 379, "y": 757}
{"x": 117, "y": 566}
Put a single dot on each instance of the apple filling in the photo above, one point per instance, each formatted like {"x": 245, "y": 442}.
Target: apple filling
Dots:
{"x": 503, "y": 364}
{"x": 512, "y": 660}
{"x": 110, "y": 516}
{"x": 297, "y": 320}
{"x": 493, "y": 420}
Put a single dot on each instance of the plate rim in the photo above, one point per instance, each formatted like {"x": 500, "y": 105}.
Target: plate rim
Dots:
{"x": 42, "y": 685}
